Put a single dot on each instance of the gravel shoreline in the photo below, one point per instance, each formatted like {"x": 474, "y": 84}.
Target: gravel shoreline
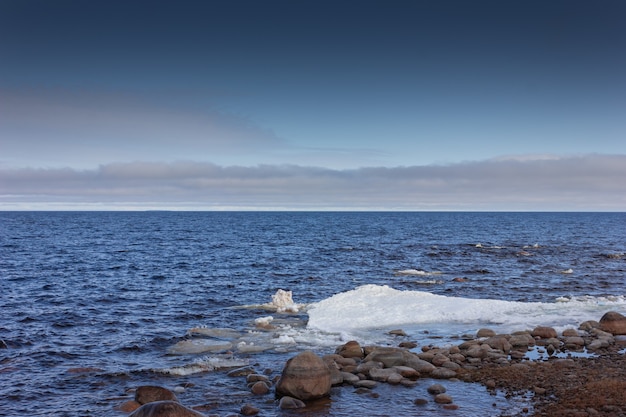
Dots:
{"x": 576, "y": 387}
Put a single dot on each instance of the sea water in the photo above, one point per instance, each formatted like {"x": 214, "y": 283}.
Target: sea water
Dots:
{"x": 94, "y": 304}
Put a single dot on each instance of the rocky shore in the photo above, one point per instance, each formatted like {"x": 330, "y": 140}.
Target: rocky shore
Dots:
{"x": 580, "y": 372}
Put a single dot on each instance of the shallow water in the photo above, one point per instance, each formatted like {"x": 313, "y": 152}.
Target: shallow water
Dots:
{"x": 115, "y": 291}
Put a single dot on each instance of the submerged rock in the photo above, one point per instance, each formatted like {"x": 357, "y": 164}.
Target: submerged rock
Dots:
{"x": 249, "y": 410}
{"x": 287, "y": 403}
{"x": 165, "y": 409}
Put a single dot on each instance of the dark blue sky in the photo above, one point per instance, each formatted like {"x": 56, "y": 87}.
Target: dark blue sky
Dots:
{"x": 336, "y": 85}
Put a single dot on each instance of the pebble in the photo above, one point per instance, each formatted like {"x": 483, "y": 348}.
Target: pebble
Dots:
{"x": 288, "y": 403}
{"x": 249, "y": 410}
{"x": 443, "y": 399}
{"x": 436, "y": 389}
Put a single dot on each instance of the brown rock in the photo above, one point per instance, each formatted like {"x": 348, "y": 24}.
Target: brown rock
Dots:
{"x": 352, "y": 349}
{"x": 613, "y": 322}
{"x": 383, "y": 374}
{"x": 288, "y": 403}
{"x": 365, "y": 367}
{"x": 420, "y": 365}
{"x": 451, "y": 365}
{"x": 574, "y": 342}
{"x": 436, "y": 389}
{"x": 522, "y": 340}
{"x": 366, "y": 383}
{"x": 439, "y": 359}
{"x": 499, "y": 342}
{"x": 443, "y": 399}
{"x": 128, "y": 406}
{"x": 256, "y": 378}
{"x": 149, "y": 393}
{"x": 443, "y": 373}
{"x": 340, "y": 360}
{"x": 485, "y": 333}
{"x": 335, "y": 371}
{"x": 388, "y": 356}
{"x": 305, "y": 377}
{"x": 570, "y": 332}
{"x": 249, "y": 410}
{"x": 395, "y": 379}
{"x": 407, "y": 372}
{"x": 260, "y": 388}
{"x": 544, "y": 332}
{"x": 165, "y": 409}
{"x": 588, "y": 325}
{"x": 349, "y": 378}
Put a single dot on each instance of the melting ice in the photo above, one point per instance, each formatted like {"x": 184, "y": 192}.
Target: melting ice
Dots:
{"x": 375, "y": 306}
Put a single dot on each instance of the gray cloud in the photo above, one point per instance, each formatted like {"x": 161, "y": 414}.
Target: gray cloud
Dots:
{"x": 92, "y": 127}
{"x": 589, "y": 182}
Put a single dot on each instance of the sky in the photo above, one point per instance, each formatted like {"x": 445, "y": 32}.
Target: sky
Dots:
{"x": 313, "y": 105}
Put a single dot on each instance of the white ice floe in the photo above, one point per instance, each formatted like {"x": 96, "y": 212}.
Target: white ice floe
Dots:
{"x": 283, "y": 301}
{"x": 195, "y": 346}
{"x": 263, "y": 321}
{"x": 221, "y": 333}
{"x": 252, "y": 347}
{"x": 417, "y": 272}
{"x": 378, "y": 307}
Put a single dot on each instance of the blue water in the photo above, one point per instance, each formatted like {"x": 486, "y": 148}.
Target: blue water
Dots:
{"x": 113, "y": 290}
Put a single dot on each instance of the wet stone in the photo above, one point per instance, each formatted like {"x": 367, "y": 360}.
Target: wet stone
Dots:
{"x": 366, "y": 383}
{"x": 149, "y": 393}
{"x": 443, "y": 399}
{"x": 288, "y": 403}
{"x": 436, "y": 389}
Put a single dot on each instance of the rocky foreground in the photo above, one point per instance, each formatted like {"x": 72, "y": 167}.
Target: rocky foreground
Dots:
{"x": 560, "y": 382}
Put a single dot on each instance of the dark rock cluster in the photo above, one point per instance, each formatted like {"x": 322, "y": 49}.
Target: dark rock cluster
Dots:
{"x": 499, "y": 361}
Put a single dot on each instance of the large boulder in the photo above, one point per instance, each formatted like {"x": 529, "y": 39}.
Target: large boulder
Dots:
{"x": 613, "y": 322}
{"x": 165, "y": 409}
{"x": 305, "y": 377}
